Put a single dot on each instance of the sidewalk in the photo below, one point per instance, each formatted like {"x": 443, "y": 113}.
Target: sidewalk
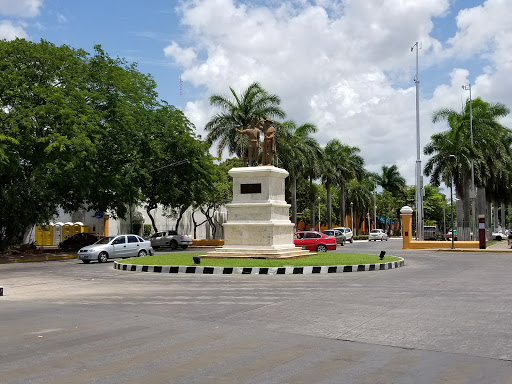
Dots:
{"x": 501, "y": 247}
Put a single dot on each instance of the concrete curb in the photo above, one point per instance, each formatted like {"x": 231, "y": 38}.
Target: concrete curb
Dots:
{"x": 36, "y": 259}
{"x": 258, "y": 270}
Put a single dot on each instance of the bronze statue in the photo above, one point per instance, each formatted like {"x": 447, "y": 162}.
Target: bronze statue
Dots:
{"x": 253, "y": 134}
{"x": 269, "y": 142}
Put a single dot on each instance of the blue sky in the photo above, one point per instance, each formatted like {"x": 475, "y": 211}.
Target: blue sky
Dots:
{"x": 345, "y": 66}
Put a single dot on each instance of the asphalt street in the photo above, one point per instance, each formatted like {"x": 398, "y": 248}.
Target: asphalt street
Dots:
{"x": 443, "y": 318}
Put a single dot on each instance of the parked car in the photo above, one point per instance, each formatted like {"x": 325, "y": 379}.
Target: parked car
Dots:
{"x": 170, "y": 239}
{"x": 78, "y": 241}
{"x": 349, "y": 236}
{"x": 110, "y": 247}
{"x": 430, "y": 232}
{"x": 377, "y": 234}
{"x": 314, "y": 241}
{"x": 340, "y": 236}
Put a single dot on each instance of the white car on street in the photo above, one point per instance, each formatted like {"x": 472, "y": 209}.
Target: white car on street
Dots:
{"x": 110, "y": 247}
{"x": 349, "y": 236}
{"x": 377, "y": 234}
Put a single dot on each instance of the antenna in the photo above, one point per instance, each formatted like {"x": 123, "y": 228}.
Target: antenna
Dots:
{"x": 181, "y": 93}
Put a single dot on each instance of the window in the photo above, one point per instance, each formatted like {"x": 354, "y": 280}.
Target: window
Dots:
{"x": 133, "y": 239}
{"x": 311, "y": 235}
{"x": 119, "y": 240}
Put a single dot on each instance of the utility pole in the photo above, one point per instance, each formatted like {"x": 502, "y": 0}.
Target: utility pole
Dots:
{"x": 419, "y": 178}
{"x": 472, "y": 192}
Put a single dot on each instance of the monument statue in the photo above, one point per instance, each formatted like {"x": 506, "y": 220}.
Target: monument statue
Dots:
{"x": 269, "y": 142}
{"x": 253, "y": 134}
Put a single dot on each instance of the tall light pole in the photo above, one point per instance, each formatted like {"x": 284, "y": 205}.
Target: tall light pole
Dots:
{"x": 419, "y": 186}
{"x": 472, "y": 192}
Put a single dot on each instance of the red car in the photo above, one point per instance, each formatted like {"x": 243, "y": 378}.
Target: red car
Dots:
{"x": 314, "y": 241}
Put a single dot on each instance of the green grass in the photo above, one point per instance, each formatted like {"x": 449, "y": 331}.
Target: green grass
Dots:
{"x": 320, "y": 259}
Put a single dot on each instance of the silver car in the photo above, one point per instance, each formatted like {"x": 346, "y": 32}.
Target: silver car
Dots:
{"x": 340, "y": 237}
{"x": 378, "y": 234}
{"x": 110, "y": 247}
{"x": 349, "y": 236}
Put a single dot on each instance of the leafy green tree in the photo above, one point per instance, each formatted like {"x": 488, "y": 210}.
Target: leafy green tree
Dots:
{"x": 218, "y": 194}
{"x": 175, "y": 165}
{"x": 237, "y": 112}
{"x": 85, "y": 131}
{"x": 47, "y": 132}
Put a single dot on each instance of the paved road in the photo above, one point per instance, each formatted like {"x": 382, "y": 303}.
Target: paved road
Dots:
{"x": 443, "y": 318}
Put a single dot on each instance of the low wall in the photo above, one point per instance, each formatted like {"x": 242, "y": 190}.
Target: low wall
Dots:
{"x": 207, "y": 242}
{"x": 440, "y": 244}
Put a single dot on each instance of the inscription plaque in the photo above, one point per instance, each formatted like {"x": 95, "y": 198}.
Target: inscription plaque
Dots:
{"x": 250, "y": 188}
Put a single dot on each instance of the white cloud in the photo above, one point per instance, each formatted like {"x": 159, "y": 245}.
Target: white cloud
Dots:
{"x": 183, "y": 57}
{"x": 336, "y": 65}
{"x": 20, "y": 8}
{"x": 10, "y": 31}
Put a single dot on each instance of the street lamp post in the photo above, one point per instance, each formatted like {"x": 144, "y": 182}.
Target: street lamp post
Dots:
{"x": 472, "y": 192}
{"x": 419, "y": 187}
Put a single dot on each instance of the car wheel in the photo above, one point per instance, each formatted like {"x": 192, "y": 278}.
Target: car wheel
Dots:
{"x": 173, "y": 245}
{"x": 184, "y": 247}
{"x": 142, "y": 253}
{"x": 381, "y": 239}
{"x": 342, "y": 242}
{"x": 103, "y": 257}
{"x": 351, "y": 240}
{"x": 321, "y": 248}
{"x": 86, "y": 261}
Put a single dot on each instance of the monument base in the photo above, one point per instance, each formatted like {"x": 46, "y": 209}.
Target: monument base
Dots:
{"x": 262, "y": 252}
{"x": 258, "y": 223}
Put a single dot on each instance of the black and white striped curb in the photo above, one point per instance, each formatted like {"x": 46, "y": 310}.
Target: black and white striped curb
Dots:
{"x": 258, "y": 270}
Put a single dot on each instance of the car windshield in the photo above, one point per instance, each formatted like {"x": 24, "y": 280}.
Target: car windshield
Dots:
{"x": 105, "y": 240}
{"x": 375, "y": 231}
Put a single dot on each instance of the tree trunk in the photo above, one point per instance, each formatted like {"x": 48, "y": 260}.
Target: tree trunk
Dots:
{"x": 460, "y": 217}
{"x": 495, "y": 210}
{"x": 502, "y": 221}
{"x": 311, "y": 205}
{"x": 342, "y": 206}
{"x": 293, "y": 191}
{"x": 466, "y": 203}
{"x": 488, "y": 221}
{"x": 148, "y": 211}
{"x": 329, "y": 221}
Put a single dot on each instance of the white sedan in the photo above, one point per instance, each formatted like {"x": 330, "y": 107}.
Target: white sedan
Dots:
{"x": 378, "y": 234}
{"x": 115, "y": 246}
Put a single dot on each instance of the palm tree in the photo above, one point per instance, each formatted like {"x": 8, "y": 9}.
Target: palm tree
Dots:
{"x": 391, "y": 180}
{"x": 294, "y": 147}
{"x": 330, "y": 177}
{"x": 489, "y": 150}
{"x": 349, "y": 166}
{"x": 236, "y": 113}
{"x": 360, "y": 194}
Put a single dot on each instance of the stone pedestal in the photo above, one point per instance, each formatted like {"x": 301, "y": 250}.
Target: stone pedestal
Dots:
{"x": 258, "y": 222}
